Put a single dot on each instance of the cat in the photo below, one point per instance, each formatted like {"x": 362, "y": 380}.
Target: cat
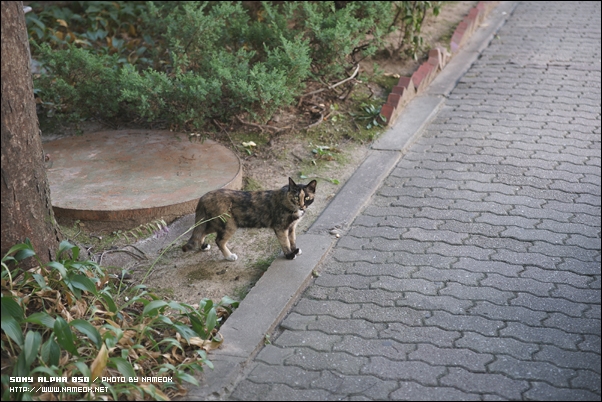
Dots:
{"x": 280, "y": 210}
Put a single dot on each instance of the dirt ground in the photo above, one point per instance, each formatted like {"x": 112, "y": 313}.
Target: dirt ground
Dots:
{"x": 189, "y": 277}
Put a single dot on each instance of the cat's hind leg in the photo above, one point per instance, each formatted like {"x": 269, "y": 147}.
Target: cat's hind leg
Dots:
{"x": 222, "y": 242}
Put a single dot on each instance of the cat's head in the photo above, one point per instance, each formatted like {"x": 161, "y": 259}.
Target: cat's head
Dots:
{"x": 301, "y": 195}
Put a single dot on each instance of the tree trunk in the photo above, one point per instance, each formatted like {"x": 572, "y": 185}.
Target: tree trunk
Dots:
{"x": 26, "y": 208}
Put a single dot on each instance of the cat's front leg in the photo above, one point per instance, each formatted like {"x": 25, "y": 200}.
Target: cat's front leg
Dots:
{"x": 283, "y": 238}
{"x": 292, "y": 237}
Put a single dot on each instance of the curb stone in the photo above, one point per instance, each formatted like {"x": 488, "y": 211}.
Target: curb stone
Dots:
{"x": 278, "y": 289}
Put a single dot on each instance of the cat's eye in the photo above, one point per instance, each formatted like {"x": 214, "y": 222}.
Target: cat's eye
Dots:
{"x": 306, "y": 198}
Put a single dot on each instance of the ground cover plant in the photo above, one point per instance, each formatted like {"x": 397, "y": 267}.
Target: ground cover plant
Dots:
{"x": 70, "y": 318}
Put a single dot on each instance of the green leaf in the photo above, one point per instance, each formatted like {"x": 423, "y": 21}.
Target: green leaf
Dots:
{"x": 23, "y": 254}
{"x": 40, "y": 280}
{"x": 109, "y": 302}
{"x": 211, "y": 320}
{"x": 41, "y": 318}
{"x": 83, "y": 282}
{"x": 33, "y": 339}
{"x": 11, "y": 328}
{"x": 89, "y": 330}
{"x": 64, "y": 336}
{"x": 185, "y": 331}
{"x": 64, "y": 246}
{"x": 59, "y": 267}
{"x": 51, "y": 352}
{"x": 123, "y": 366}
{"x": 12, "y": 308}
{"x": 152, "y": 306}
{"x": 188, "y": 378}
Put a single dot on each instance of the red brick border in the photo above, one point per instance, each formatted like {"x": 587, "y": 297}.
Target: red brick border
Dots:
{"x": 408, "y": 87}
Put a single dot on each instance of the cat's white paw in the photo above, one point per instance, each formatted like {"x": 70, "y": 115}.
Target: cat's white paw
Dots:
{"x": 207, "y": 247}
{"x": 233, "y": 257}
{"x": 299, "y": 252}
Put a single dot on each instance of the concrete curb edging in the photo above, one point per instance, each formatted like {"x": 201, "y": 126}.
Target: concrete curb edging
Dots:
{"x": 276, "y": 292}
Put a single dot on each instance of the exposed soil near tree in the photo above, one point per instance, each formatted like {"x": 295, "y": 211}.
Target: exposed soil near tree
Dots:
{"x": 278, "y": 154}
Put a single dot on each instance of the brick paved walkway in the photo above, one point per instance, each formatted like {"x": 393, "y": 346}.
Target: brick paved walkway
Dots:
{"x": 474, "y": 272}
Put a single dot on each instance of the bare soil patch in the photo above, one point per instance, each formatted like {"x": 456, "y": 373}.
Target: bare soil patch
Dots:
{"x": 278, "y": 154}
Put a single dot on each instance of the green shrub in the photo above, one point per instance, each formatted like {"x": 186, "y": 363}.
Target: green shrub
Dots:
{"x": 186, "y": 63}
{"x": 65, "y": 319}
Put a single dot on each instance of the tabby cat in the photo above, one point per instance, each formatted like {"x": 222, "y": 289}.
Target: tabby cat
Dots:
{"x": 280, "y": 210}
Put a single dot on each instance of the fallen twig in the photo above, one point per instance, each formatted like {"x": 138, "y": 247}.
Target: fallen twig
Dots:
{"x": 357, "y": 69}
{"x": 263, "y": 127}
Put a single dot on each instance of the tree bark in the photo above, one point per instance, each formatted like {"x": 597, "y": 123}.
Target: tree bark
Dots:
{"x": 26, "y": 208}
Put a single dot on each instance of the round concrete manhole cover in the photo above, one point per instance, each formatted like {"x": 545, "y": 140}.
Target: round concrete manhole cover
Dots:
{"x": 132, "y": 177}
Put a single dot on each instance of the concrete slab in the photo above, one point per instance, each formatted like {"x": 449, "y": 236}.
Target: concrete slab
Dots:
{"x": 131, "y": 177}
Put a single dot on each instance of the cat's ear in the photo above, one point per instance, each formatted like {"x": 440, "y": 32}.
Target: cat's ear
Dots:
{"x": 311, "y": 186}
{"x": 291, "y": 184}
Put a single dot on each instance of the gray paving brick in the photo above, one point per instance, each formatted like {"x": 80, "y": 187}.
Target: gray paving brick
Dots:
{"x": 451, "y": 357}
{"x": 360, "y": 387}
{"x": 364, "y": 268}
{"x": 558, "y": 250}
{"x": 432, "y": 260}
{"x": 556, "y": 276}
{"x": 443, "y": 275}
{"x": 407, "y": 285}
{"x": 474, "y": 293}
{"x": 526, "y": 285}
{"x": 294, "y": 376}
{"x": 531, "y": 371}
{"x": 577, "y": 295}
{"x": 404, "y": 315}
{"x": 536, "y": 259}
{"x": 403, "y": 245}
{"x": 464, "y": 322}
{"x": 380, "y": 297}
{"x": 508, "y": 313}
{"x": 435, "y": 236}
{"x": 358, "y": 346}
{"x": 340, "y": 362}
{"x": 413, "y": 335}
{"x": 552, "y": 336}
{"x": 474, "y": 228}
{"x": 491, "y": 243}
{"x": 403, "y": 370}
{"x": 350, "y": 280}
{"x": 484, "y": 383}
{"x": 387, "y": 232}
{"x": 274, "y": 355}
{"x": 315, "y": 340}
{"x": 574, "y": 359}
{"x": 541, "y": 213}
{"x": 429, "y": 303}
{"x": 573, "y": 324}
{"x": 335, "y": 326}
{"x": 283, "y": 392}
{"x": 588, "y": 380}
{"x": 412, "y": 391}
{"x": 497, "y": 345}
{"x": 454, "y": 250}
{"x": 507, "y": 220}
{"x": 549, "y": 304}
{"x": 540, "y": 391}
